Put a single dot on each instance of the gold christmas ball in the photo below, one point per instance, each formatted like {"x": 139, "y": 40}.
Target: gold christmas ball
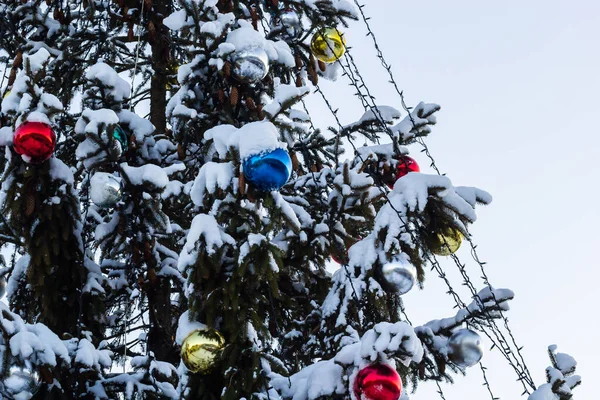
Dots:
{"x": 445, "y": 242}
{"x": 328, "y": 45}
{"x": 201, "y": 349}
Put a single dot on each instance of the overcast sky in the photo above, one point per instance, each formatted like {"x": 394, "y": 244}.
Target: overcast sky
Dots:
{"x": 518, "y": 82}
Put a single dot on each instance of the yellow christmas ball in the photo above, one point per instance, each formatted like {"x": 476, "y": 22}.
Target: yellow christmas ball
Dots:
{"x": 201, "y": 349}
{"x": 445, "y": 242}
{"x": 328, "y": 45}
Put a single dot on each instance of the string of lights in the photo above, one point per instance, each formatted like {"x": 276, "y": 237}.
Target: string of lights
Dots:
{"x": 355, "y": 79}
{"x": 474, "y": 254}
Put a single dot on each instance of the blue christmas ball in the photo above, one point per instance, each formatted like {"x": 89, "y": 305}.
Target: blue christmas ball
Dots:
{"x": 268, "y": 171}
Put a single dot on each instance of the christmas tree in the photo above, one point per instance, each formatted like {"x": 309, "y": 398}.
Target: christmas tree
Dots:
{"x": 169, "y": 211}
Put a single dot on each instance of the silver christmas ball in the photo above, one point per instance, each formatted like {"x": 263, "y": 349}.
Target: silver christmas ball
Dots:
{"x": 20, "y": 382}
{"x": 105, "y": 190}
{"x": 400, "y": 275}
{"x": 465, "y": 348}
{"x": 250, "y": 65}
{"x": 288, "y": 23}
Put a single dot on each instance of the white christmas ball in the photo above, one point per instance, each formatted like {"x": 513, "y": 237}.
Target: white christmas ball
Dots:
{"x": 105, "y": 189}
{"x": 250, "y": 65}
{"x": 20, "y": 382}
{"x": 400, "y": 274}
{"x": 465, "y": 348}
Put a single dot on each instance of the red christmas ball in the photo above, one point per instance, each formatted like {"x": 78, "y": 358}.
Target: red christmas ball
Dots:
{"x": 405, "y": 165}
{"x": 35, "y": 140}
{"x": 377, "y": 382}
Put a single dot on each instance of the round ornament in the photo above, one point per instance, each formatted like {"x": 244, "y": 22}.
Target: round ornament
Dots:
{"x": 20, "y": 382}
{"x": 445, "y": 242}
{"x": 405, "y": 165}
{"x": 34, "y": 140}
{"x": 201, "y": 349}
{"x": 268, "y": 171}
{"x": 400, "y": 275}
{"x": 328, "y": 45}
{"x": 465, "y": 348}
{"x": 377, "y": 382}
{"x": 288, "y": 23}
{"x": 250, "y": 65}
{"x": 121, "y": 137}
{"x": 105, "y": 190}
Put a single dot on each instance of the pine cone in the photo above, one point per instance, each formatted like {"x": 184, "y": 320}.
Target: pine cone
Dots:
{"x": 29, "y": 205}
{"x": 12, "y": 77}
{"x": 275, "y": 3}
{"x": 250, "y": 104}
{"x": 130, "y": 34}
{"x": 234, "y": 96}
{"x": 299, "y": 62}
{"x": 295, "y": 163}
{"x": 242, "y": 184}
{"x": 180, "y": 151}
{"x": 227, "y": 69}
{"x": 312, "y": 75}
{"x": 254, "y": 16}
{"x": 18, "y": 60}
{"x": 299, "y": 82}
{"x": 322, "y": 66}
{"x": 151, "y": 33}
{"x": 221, "y": 96}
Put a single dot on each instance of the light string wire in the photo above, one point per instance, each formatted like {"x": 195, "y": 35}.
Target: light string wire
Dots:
{"x": 432, "y": 260}
{"x": 376, "y": 112}
{"x": 474, "y": 254}
{"x": 500, "y": 341}
{"x": 345, "y": 266}
{"x": 358, "y": 82}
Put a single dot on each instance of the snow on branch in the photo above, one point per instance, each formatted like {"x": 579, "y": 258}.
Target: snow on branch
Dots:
{"x": 489, "y": 304}
{"x": 329, "y": 377}
{"x": 417, "y": 124}
{"x": 205, "y": 235}
{"x": 560, "y": 376}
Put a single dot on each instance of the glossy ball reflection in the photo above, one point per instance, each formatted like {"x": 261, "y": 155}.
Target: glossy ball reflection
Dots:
{"x": 465, "y": 348}
{"x": 378, "y": 382}
{"x": 445, "y": 241}
{"x": 400, "y": 275}
{"x": 250, "y": 65}
{"x": 328, "y": 45}
{"x": 35, "y": 141}
{"x": 105, "y": 190}
{"x": 288, "y": 24}
{"x": 268, "y": 171}
{"x": 121, "y": 137}
{"x": 201, "y": 350}
{"x": 20, "y": 382}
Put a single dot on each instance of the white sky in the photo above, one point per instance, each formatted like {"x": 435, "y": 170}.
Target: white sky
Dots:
{"x": 518, "y": 82}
